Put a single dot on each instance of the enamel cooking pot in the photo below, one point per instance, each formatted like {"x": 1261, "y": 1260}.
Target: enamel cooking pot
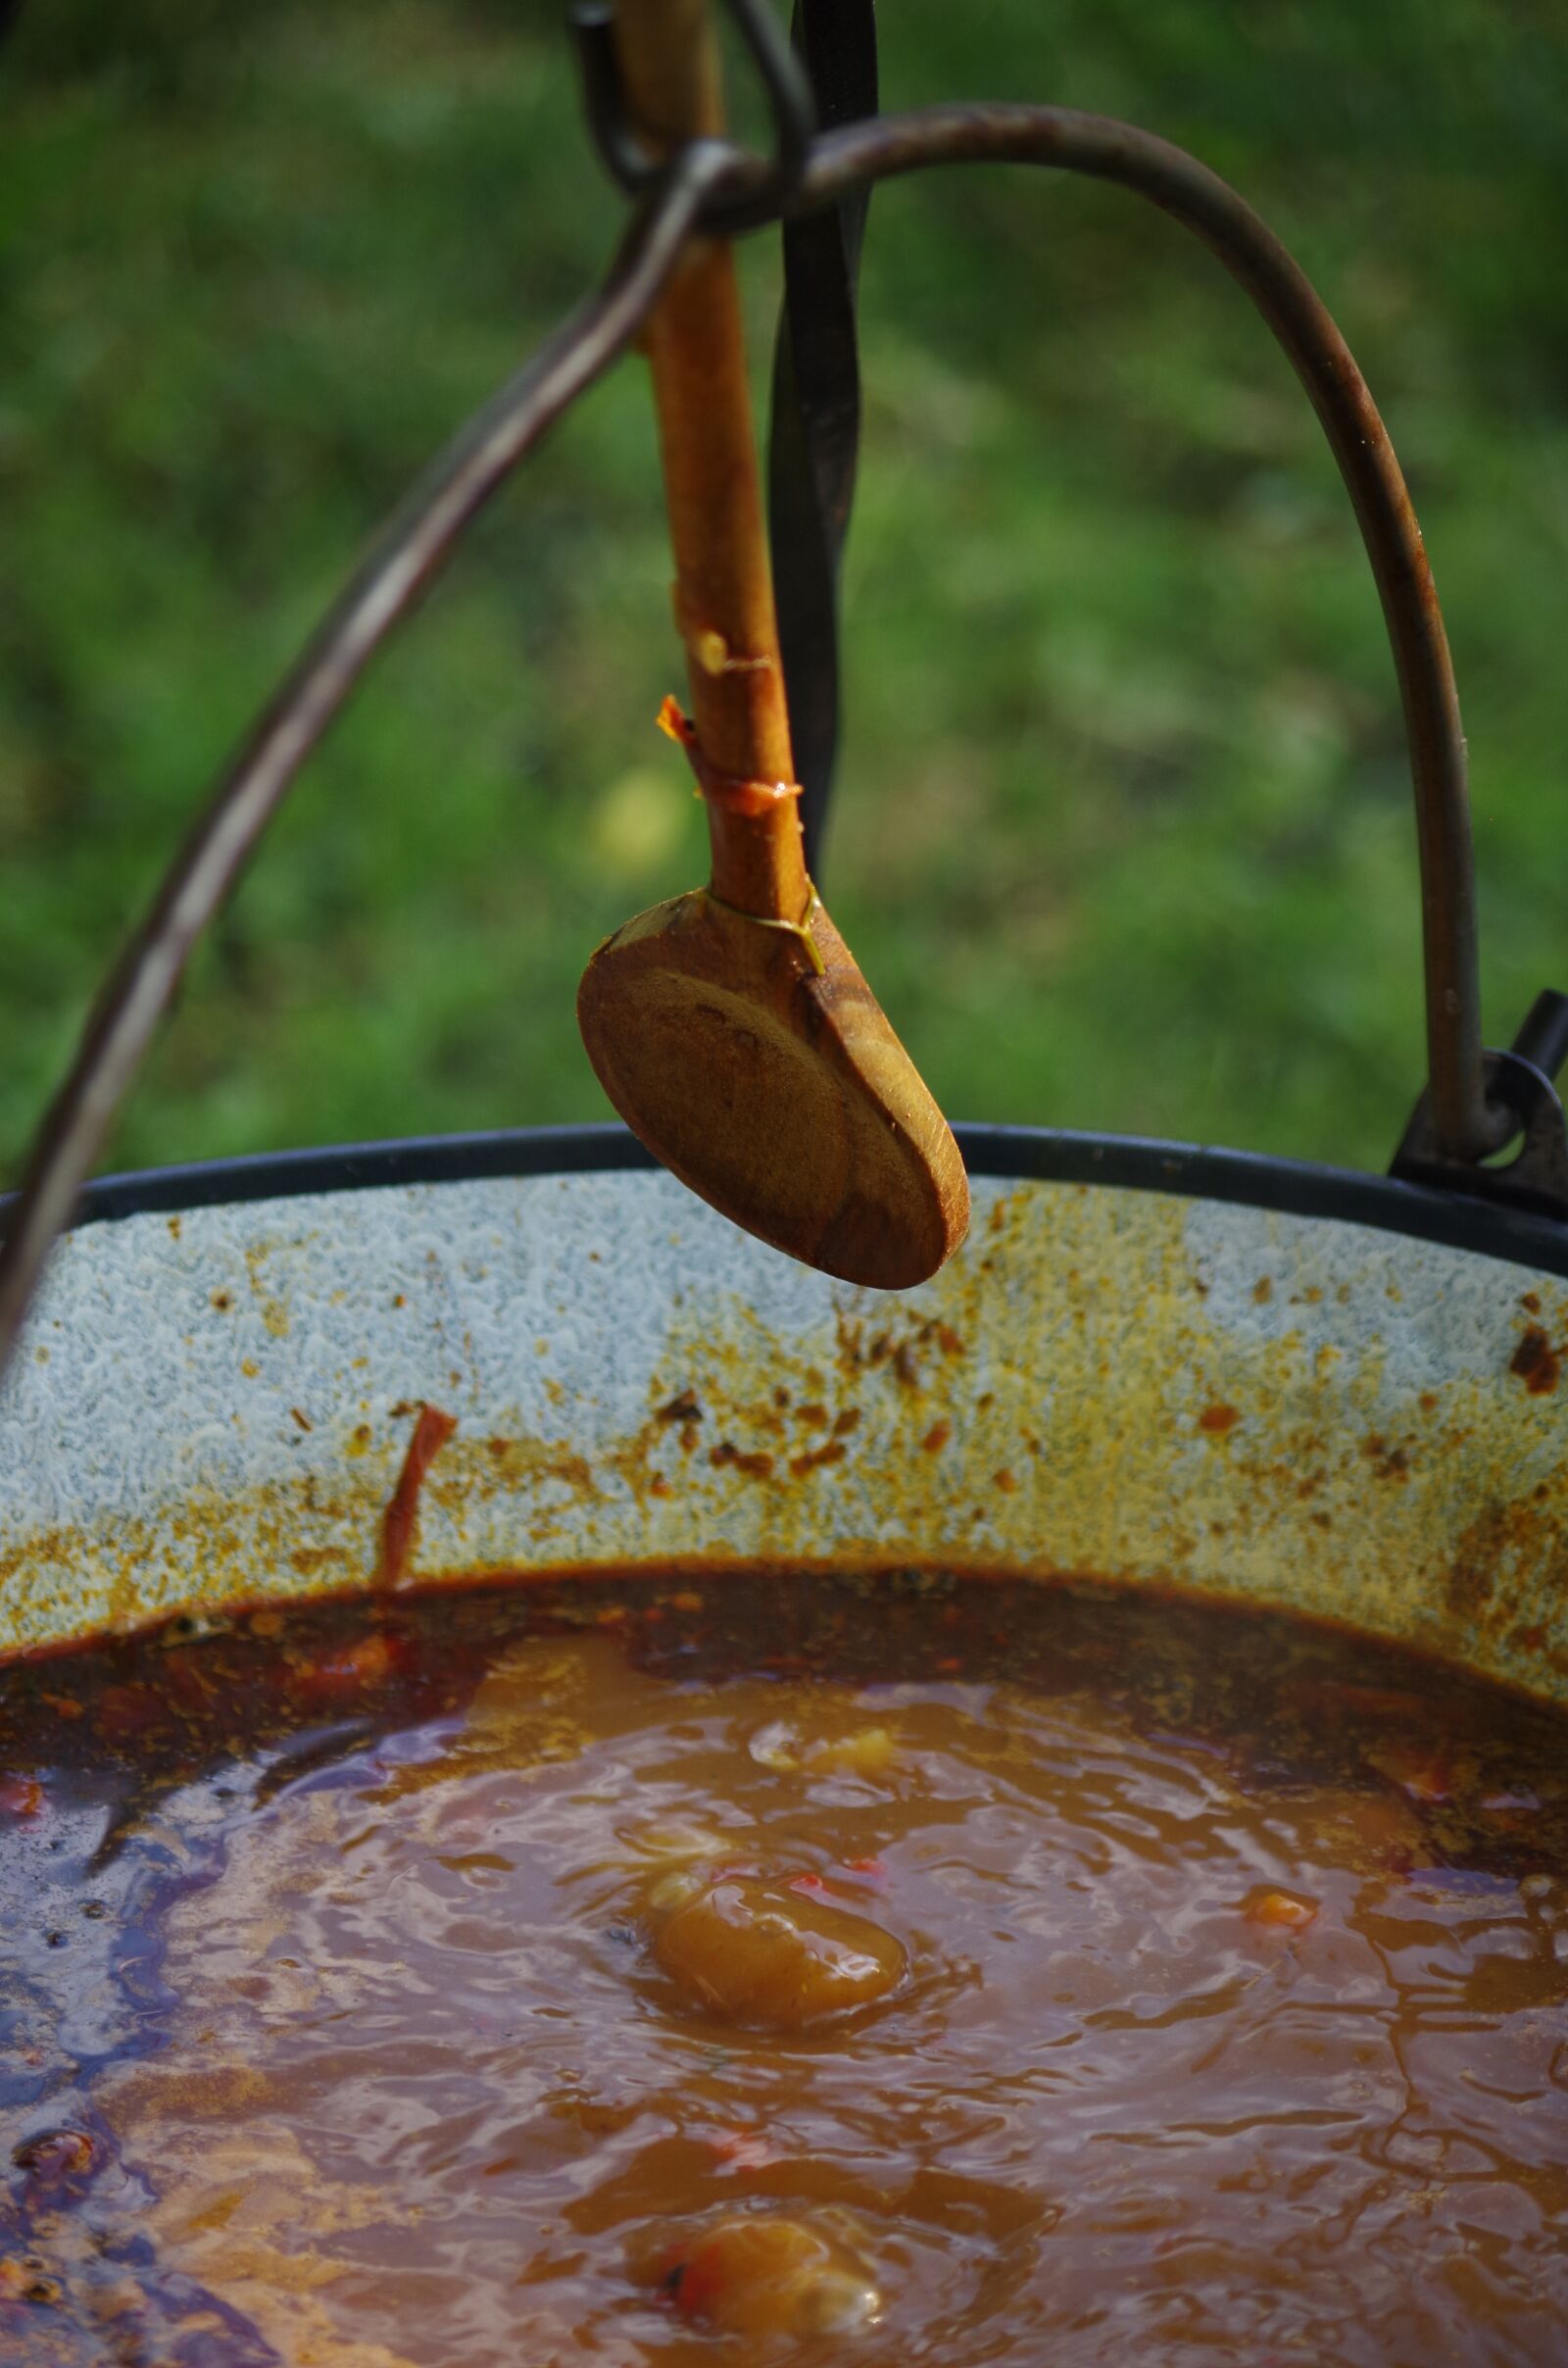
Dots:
{"x": 1330, "y": 1393}
{"x": 1272, "y": 1382}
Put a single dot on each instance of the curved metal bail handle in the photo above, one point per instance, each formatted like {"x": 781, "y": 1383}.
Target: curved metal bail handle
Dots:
{"x": 1468, "y": 1124}
{"x": 756, "y": 189}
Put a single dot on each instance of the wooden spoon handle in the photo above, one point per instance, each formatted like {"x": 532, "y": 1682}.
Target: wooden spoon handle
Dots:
{"x": 723, "y": 585}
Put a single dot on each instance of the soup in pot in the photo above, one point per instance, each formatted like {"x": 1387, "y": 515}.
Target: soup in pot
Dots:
{"x": 781, "y": 1967}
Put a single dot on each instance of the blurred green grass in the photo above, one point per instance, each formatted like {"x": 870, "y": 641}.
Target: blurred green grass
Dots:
{"x": 1123, "y": 835}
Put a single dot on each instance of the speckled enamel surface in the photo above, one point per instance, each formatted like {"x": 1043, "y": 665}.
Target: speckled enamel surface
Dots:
{"x": 215, "y": 1405}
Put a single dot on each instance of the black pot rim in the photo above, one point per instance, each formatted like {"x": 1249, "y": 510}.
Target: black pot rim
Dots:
{"x": 1129, "y": 1162}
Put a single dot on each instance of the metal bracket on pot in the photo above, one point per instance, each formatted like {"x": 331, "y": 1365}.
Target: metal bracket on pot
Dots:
{"x": 1522, "y": 1081}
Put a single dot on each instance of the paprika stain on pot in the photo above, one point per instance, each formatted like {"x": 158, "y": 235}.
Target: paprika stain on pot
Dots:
{"x": 432, "y": 1432}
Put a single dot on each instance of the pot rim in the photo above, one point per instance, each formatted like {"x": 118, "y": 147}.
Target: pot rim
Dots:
{"x": 1128, "y": 1162}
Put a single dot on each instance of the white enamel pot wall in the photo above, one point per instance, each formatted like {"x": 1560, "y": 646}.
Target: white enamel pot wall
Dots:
{"x": 1268, "y": 1382}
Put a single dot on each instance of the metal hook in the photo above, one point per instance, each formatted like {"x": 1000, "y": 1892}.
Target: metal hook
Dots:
{"x": 1522, "y": 1081}
{"x": 756, "y": 189}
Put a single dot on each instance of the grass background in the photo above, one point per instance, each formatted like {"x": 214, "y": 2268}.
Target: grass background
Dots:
{"x": 1123, "y": 836}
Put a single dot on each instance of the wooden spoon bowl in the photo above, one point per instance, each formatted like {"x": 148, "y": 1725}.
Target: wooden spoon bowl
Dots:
{"x": 730, "y": 1028}
{"x": 779, "y": 1093}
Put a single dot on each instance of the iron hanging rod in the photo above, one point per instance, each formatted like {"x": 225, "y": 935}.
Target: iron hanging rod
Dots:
{"x": 1468, "y": 1126}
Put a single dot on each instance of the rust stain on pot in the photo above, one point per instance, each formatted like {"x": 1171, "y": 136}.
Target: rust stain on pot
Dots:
{"x": 756, "y": 1463}
{"x": 1511, "y": 1551}
{"x": 1536, "y": 1361}
{"x": 511, "y": 1465}
{"x": 1388, "y": 1462}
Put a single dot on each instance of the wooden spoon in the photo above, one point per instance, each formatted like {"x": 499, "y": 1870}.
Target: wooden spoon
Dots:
{"x": 731, "y": 1027}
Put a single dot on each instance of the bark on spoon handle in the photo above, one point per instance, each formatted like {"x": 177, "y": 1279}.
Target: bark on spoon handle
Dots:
{"x": 724, "y": 584}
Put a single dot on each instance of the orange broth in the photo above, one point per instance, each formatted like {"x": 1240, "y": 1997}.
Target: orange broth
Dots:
{"x": 775, "y": 1967}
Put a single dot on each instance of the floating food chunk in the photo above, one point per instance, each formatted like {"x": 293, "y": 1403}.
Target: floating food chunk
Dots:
{"x": 1281, "y": 1909}
{"x": 1423, "y": 1771}
{"x": 20, "y": 1796}
{"x": 758, "y": 2274}
{"x": 870, "y": 1752}
{"x": 53, "y": 2155}
{"x": 755, "y": 1950}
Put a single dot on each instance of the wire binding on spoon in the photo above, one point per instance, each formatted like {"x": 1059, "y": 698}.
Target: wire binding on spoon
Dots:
{"x": 731, "y": 791}
{"x": 802, "y": 929}
{"x": 742, "y": 797}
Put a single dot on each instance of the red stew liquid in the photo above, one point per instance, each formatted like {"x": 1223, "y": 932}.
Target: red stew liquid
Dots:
{"x": 871, "y": 1971}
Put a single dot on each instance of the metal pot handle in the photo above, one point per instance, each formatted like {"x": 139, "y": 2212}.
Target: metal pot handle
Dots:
{"x": 1475, "y": 1101}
